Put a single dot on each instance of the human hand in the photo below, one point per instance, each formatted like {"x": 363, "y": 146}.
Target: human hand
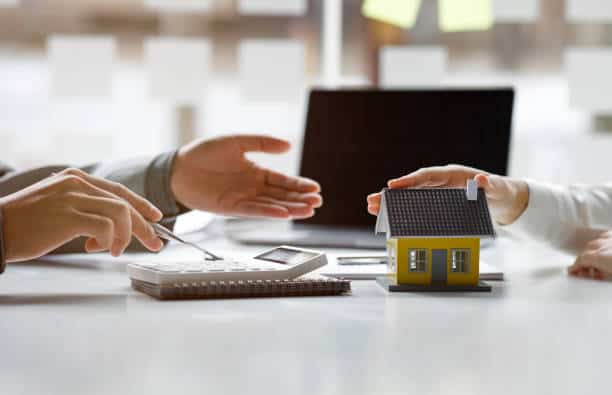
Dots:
{"x": 507, "y": 197}
{"x": 50, "y": 213}
{"x": 596, "y": 260}
{"x": 215, "y": 176}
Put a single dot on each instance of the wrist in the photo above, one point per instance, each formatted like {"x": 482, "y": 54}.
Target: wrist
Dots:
{"x": 518, "y": 199}
{"x": 176, "y": 183}
{"x": 159, "y": 184}
{"x": 3, "y": 257}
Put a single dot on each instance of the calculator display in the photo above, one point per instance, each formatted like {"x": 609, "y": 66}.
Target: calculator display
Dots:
{"x": 286, "y": 256}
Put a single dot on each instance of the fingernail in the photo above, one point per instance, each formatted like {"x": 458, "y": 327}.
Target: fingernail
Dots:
{"x": 158, "y": 244}
{"x": 157, "y": 214}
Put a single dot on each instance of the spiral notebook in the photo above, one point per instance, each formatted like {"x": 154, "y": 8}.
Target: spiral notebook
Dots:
{"x": 303, "y": 286}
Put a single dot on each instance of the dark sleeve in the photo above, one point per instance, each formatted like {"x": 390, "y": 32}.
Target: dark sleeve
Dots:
{"x": 4, "y": 169}
{"x": 2, "y": 256}
{"x": 149, "y": 178}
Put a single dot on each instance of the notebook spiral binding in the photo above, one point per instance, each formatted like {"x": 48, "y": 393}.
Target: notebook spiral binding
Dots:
{"x": 244, "y": 289}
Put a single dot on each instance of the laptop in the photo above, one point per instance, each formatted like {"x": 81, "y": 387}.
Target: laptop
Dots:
{"x": 356, "y": 140}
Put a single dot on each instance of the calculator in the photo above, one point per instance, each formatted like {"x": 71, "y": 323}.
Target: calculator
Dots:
{"x": 280, "y": 263}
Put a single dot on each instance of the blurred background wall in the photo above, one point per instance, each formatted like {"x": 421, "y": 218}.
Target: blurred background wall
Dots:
{"x": 89, "y": 80}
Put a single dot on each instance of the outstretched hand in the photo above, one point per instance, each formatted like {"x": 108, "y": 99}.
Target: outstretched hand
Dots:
{"x": 216, "y": 176}
{"x": 507, "y": 197}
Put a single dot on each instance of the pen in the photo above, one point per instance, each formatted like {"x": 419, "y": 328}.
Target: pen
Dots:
{"x": 167, "y": 234}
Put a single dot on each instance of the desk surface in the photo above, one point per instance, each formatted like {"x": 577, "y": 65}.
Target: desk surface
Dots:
{"x": 72, "y": 325}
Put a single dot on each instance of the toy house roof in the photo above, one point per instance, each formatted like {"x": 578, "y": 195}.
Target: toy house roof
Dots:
{"x": 437, "y": 212}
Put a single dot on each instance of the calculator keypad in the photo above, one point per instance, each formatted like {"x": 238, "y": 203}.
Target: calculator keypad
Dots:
{"x": 207, "y": 267}
{"x": 228, "y": 269}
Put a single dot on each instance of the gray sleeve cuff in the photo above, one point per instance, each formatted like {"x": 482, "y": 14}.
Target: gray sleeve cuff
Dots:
{"x": 2, "y": 251}
{"x": 157, "y": 185}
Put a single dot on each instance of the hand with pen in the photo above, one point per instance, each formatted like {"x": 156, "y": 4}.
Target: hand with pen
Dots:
{"x": 50, "y": 213}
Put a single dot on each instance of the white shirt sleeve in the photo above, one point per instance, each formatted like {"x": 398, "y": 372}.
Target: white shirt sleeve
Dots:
{"x": 566, "y": 217}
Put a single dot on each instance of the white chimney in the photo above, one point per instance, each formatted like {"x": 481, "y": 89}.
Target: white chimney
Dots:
{"x": 471, "y": 190}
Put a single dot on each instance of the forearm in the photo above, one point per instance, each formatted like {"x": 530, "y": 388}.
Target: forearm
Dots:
{"x": 565, "y": 217}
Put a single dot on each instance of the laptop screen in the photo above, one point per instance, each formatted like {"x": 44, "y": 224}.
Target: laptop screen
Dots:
{"x": 356, "y": 140}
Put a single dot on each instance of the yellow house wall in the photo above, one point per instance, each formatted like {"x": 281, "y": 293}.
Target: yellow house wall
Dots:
{"x": 404, "y": 276}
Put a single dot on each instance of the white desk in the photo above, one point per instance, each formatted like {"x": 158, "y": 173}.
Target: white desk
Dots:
{"x": 75, "y": 326}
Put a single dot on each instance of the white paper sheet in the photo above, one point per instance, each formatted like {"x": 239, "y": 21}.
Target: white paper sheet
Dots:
{"x": 588, "y": 10}
{"x": 403, "y": 67}
{"x": 81, "y": 65}
{"x": 179, "y": 5}
{"x": 272, "y": 7}
{"x": 370, "y": 272}
{"x": 515, "y": 11}
{"x": 271, "y": 69}
{"x": 589, "y": 78}
{"x": 178, "y": 68}
{"x": 8, "y": 3}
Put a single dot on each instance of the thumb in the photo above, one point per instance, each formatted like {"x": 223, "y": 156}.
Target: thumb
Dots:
{"x": 260, "y": 143}
{"x": 483, "y": 181}
{"x": 486, "y": 184}
{"x": 494, "y": 186}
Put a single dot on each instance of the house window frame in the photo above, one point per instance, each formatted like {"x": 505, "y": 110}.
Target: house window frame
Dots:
{"x": 392, "y": 258}
{"x": 418, "y": 264}
{"x": 461, "y": 267}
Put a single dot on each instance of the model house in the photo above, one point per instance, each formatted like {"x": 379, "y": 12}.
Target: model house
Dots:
{"x": 433, "y": 237}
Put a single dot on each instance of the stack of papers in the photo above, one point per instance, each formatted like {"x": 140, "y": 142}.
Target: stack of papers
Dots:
{"x": 371, "y": 271}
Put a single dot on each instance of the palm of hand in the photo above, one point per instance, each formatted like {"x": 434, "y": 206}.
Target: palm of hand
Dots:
{"x": 216, "y": 176}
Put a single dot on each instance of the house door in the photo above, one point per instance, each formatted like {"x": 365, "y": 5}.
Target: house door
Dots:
{"x": 438, "y": 266}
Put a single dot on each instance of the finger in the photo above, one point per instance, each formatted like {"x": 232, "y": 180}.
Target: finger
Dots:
{"x": 313, "y": 199}
{"x": 573, "y": 269}
{"x": 91, "y": 246}
{"x": 589, "y": 265}
{"x": 259, "y": 143}
{"x": 495, "y": 187}
{"x": 483, "y": 181}
{"x": 599, "y": 275}
{"x": 259, "y": 209}
{"x": 298, "y": 184}
{"x": 373, "y": 209}
{"x": 144, "y": 207}
{"x": 124, "y": 216}
{"x": 113, "y": 209}
{"x": 374, "y": 198}
{"x": 583, "y": 273}
{"x": 429, "y": 177}
{"x": 594, "y": 245}
{"x": 95, "y": 227}
{"x": 296, "y": 210}
{"x": 579, "y": 272}
{"x": 586, "y": 259}
{"x": 141, "y": 229}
